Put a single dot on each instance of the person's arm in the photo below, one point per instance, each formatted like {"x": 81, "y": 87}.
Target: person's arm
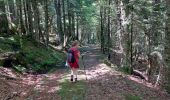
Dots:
{"x": 79, "y": 54}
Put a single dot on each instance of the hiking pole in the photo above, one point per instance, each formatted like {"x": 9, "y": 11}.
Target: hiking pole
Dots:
{"x": 84, "y": 67}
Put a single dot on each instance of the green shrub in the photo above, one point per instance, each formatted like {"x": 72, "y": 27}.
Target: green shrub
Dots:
{"x": 108, "y": 63}
{"x": 9, "y": 44}
{"x": 19, "y": 68}
{"x": 32, "y": 55}
{"x": 126, "y": 69}
{"x": 42, "y": 59}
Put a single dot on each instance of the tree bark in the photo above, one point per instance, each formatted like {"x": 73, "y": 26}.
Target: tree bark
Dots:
{"x": 30, "y": 21}
{"x": 167, "y": 46}
{"x": 46, "y": 22}
{"x": 59, "y": 20}
{"x": 4, "y": 28}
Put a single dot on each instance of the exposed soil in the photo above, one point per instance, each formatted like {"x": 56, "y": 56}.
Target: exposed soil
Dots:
{"x": 103, "y": 83}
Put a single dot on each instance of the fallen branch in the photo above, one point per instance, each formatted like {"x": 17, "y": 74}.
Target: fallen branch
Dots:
{"x": 140, "y": 74}
{"x": 7, "y": 77}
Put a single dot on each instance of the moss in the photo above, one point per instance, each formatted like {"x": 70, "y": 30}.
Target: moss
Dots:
{"x": 126, "y": 69}
{"x": 40, "y": 57}
{"x": 32, "y": 56}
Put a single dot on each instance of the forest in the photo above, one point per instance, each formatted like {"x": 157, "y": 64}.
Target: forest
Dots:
{"x": 124, "y": 48}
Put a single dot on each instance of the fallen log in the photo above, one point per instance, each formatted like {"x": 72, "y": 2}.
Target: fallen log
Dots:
{"x": 140, "y": 74}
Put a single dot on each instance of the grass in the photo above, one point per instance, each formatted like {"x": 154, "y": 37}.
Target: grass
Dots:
{"x": 132, "y": 97}
{"x": 72, "y": 91}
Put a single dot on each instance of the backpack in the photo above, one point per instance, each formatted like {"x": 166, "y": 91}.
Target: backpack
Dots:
{"x": 70, "y": 56}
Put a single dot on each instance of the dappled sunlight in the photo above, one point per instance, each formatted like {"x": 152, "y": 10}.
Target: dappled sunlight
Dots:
{"x": 97, "y": 71}
{"x": 53, "y": 76}
{"x": 91, "y": 73}
{"x": 54, "y": 89}
{"x": 140, "y": 81}
{"x": 101, "y": 79}
{"x": 31, "y": 79}
{"x": 7, "y": 72}
{"x": 40, "y": 87}
{"x": 93, "y": 55}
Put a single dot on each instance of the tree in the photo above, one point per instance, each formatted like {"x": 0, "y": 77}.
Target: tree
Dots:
{"x": 167, "y": 46}
{"x": 59, "y": 19}
{"x": 3, "y": 18}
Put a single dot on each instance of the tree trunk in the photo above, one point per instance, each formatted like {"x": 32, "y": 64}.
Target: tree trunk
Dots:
{"x": 21, "y": 18}
{"x": 167, "y": 46}
{"x": 46, "y": 22}
{"x": 30, "y": 21}
{"x": 69, "y": 18}
{"x": 59, "y": 20}
{"x": 101, "y": 23}
{"x": 108, "y": 33}
{"x": 77, "y": 28}
{"x": 26, "y": 16}
{"x": 4, "y": 28}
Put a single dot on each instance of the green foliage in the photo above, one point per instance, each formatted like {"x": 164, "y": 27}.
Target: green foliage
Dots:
{"x": 132, "y": 97}
{"x": 108, "y": 63}
{"x": 19, "y": 68}
{"x": 1, "y": 63}
{"x": 8, "y": 44}
{"x": 39, "y": 58}
{"x": 126, "y": 69}
{"x": 72, "y": 91}
{"x": 31, "y": 56}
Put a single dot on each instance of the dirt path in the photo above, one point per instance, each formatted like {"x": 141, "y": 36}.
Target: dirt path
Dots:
{"x": 104, "y": 83}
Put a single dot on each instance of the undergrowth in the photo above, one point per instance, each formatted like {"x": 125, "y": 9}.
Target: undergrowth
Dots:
{"x": 32, "y": 56}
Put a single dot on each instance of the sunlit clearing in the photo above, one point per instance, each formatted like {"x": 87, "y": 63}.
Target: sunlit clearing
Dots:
{"x": 140, "y": 81}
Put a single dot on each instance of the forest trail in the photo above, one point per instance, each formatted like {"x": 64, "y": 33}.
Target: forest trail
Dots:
{"x": 107, "y": 83}
{"x": 103, "y": 83}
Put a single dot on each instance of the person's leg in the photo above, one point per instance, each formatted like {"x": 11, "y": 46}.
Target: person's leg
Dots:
{"x": 72, "y": 74}
{"x": 75, "y": 74}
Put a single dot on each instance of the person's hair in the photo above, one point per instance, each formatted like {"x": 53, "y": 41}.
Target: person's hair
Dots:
{"x": 75, "y": 43}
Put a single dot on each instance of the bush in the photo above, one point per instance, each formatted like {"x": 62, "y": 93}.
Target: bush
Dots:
{"x": 40, "y": 58}
{"x": 108, "y": 63}
{"x": 126, "y": 69}
{"x": 32, "y": 56}
{"x": 9, "y": 44}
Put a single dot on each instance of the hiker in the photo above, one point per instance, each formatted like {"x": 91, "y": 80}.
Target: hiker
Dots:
{"x": 73, "y": 60}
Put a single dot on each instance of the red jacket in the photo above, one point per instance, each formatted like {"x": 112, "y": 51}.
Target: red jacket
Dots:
{"x": 76, "y": 56}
